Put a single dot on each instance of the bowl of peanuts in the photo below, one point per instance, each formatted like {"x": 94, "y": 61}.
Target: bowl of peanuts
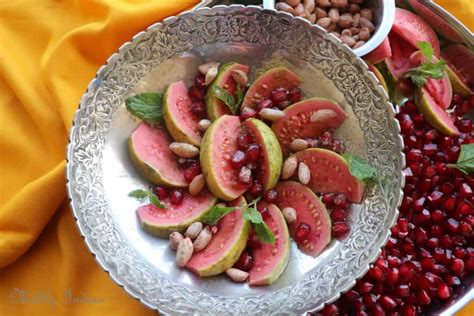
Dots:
{"x": 360, "y": 24}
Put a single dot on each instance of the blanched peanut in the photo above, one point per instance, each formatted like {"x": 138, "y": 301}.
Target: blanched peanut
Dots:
{"x": 289, "y": 167}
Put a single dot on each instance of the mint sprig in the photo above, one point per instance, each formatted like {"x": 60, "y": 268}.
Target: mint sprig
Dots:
{"x": 146, "y": 106}
{"x": 147, "y": 194}
{"x": 465, "y": 161}
{"x": 250, "y": 213}
{"x": 232, "y": 102}
{"x": 419, "y": 75}
{"x": 360, "y": 168}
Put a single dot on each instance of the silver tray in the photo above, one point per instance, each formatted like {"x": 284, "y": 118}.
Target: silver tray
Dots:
{"x": 99, "y": 174}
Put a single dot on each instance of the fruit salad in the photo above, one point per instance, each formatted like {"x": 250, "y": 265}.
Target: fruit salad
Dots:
{"x": 240, "y": 168}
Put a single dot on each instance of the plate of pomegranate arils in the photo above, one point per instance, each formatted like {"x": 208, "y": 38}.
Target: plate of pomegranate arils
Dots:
{"x": 235, "y": 160}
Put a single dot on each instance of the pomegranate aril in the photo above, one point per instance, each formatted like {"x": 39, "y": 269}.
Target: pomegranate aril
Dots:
{"x": 466, "y": 191}
{"x": 453, "y": 280}
{"x": 329, "y": 310}
{"x": 253, "y": 152}
{"x": 459, "y": 252}
{"x": 435, "y": 197}
{"x": 449, "y": 204}
{"x": 176, "y": 197}
{"x": 446, "y": 241}
{"x": 423, "y": 298}
{"x": 192, "y": 171}
{"x": 464, "y": 126}
{"x": 247, "y": 112}
{"x": 340, "y": 229}
{"x": 279, "y": 94}
{"x": 257, "y": 188}
{"x": 430, "y": 135}
{"x": 264, "y": 211}
{"x": 338, "y": 215}
{"x": 369, "y": 299}
{"x": 340, "y": 200}
{"x": 365, "y": 287}
{"x": 328, "y": 199}
{"x": 196, "y": 94}
{"x": 418, "y": 204}
{"x": 414, "y": 155}
{"x": 403, "y": 290}
{"x": 267, "y": 103}
{"x": 243, "y": 140}
{"x": 377, "y": 274}
{"x": 420, "y": 236}
{"x": 465, "y": 229}
{"x": 392, "y": 276}
{"x": 446, "y": 188}
{"x": 427, "y": 263}
{"x": 295, "y": 95}
{"x": 387, "y": 302}
{"x": 430, "y": 149}
{"x": 161, "y": 192}
{"x": 452, "y": 225}
{"x": 245, "y": 262}
{"x": 406, "y": 124}
{"x": 284, "y": 104}
{"x": 457, "y": 266}
{"x": 270, "y": 196}
{"x": 453, "y": 154}
{"x": 465, "y": 208}
{"x": 245, "y": 175}
{"x": 302, "y": 233}
{"x": 238, "y": 159}
{"x": 443, "y": 291}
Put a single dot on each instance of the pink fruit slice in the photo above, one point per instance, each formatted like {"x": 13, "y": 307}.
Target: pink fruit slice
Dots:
{"x": 414, "y": 29}
{"x": 297, "y": 122}
{"x": 182, "y": 124}
{"x": 215, "y": 107}
{"x": 163, "y": 221}
{"x": 310, "y": 211}
{"x": 271, "y": 157}
{"x": 149, "y": 151}
{"x": 438, "y": 23}
{"x": 400, "y": 61}
{"x": 461, "y": 59}
{"x": 271, "y": 260}
{"x": 218, "y": 146}
{"x": 379, "y": 54}
{"x": 330, "y": 173}
{"x": 434, "y": 114}
{"x": 261, "y": 89}
{"x": 226, "y": 245}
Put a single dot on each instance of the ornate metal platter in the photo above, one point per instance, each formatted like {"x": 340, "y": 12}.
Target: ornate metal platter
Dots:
{"x": 100, "y": 175}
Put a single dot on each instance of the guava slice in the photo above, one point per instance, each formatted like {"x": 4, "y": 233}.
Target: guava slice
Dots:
{"x": 182, "y": 124}
{"x": 271, "y": 260}
{"x": 379, "y": 76}
{"x": 226, "y": 245}
{"x": 434, "y": 114}
{"x": 218, "y": 145}
{"x": 310, "y": 210}
{"x": 163, "y": 221}
{"x": 414, "y": 29}
{"x": 297, "y": 121}
{"x": 438, "y": 23}
{"x": 330, "y": 173}
{"x": 215, "y": 107}
{"x": 261, "y": 89}
{"x": 271, "y": 156}
{"x": 149, "y": 151}
{"x": 400, "y": 60}
{"x": 458, "y": 85}
{"x": 380, "y": 53}
{"x": 461, "y": 59}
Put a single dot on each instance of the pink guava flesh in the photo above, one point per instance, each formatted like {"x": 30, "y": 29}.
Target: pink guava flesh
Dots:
{"x": 330, "y": 173}
{"x": 414, "y": 29}
{"x": 297, "y": 121}
{"x": 436, "y": 115}
{"x": 438, "y": 23}
{"x": 151, "y": 145}
{"x": 462, "y": 61}
{"x": 179, "y": 104}
{"x": 224, "y": 145}
{"x": 191, "y": 208}
{"x": 264, "y": 162}
{"x": 310, "y": 211}
{"x": 228, "y": 231}
{"x": 380, "y": 53}
{"x": 261, "y": 89}
{"x": 400, "y": 60}
{"x": 268, "y": 257}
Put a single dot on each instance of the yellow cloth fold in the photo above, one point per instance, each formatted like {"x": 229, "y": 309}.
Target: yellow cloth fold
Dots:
{"x": 49, "y": 51}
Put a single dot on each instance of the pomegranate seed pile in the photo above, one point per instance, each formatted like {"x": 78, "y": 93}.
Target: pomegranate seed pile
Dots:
{"x": 431, "y": 248}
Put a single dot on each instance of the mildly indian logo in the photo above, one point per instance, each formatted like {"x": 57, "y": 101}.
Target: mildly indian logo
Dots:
{"x": 21, "y": 296}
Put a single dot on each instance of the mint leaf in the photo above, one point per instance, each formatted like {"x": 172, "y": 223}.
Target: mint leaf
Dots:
{"x": 253, "y": 216}
{"x": 225, "y": 97}
{"x": 359, "y": 167}
{"x": 139, "y": 194}
{"x": 216, "y": 213}
{"x": 144, "y": 194}
{"x": 264, "y": 233}
{"x": 465, "y": 161}
{"x": 426, "y": 49}
{"x": 428, "y": 69}
{"x": 146, "y": 106}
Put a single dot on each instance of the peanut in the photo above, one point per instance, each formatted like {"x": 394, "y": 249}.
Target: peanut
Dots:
{"x": 175, "y": 238}
{"x": 346, "y": 32}
{"x": 292, "y": 2}
{"x": 203, "y": 239}
{"x": 271, "y": 114}
{"x": 205, "y": 67}
{"x": 354, "y": 8}
{"x": 334, "y": 15}
{"x": 240, "y": 77}
{"x": 356, "y": 20}
{"x": 184, "y": 251}
{"x": 366, "y": 13}
{"x": 312, "y": 18}
{"x": 289, "y": 167}
{"x": 322, "y": 115}
{"x": 290, "y": 214}
{"x": 309, "y": 5}
{"x": 332, "y": 27}
{"x": 210, "y": 76}
{"x": 184, "y": 150}
{"x": 348, "y": 40}
{"x": 324, "y": 22}
{"x": 304, "y": 174}
{"x": 193, "y": 230}
{"x": 299, "y": 9}
{"x": 282, "y": 6}
{"x": 345, "y": 20}
{"x": 298, "y": 144}
{"x": 364, "y": 34}
{"x": 320, "y": 13}
{"x": 323, "y": 3}
{"x": 359, "y": 44}
{"x": 367, "y": 23}
{"x": 197, "y": 184}
{"x": 237, "y": 275}
{"x": 204, "y": 124}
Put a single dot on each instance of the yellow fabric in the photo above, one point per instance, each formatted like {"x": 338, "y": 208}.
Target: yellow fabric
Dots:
{"x": 49, "y": 51}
